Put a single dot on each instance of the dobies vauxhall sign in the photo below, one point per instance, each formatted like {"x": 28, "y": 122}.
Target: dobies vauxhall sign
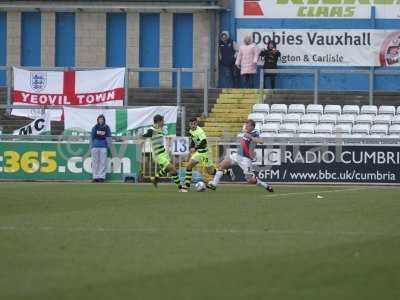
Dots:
{"x": 348, "y": 9}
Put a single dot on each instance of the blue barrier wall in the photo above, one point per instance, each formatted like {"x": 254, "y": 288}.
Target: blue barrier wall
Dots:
{"x": 3, "y": 46}
{"x": 149, "y": 49}
{"x": 183, "y": 46}
{"x": 116, "y": 40}
{"x": 65, "y": 40}
{"x": 327, "y": 82}
{"x": 31, "y": 39}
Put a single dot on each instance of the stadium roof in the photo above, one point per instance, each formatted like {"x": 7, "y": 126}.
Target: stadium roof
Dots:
{"x": 98, "y": 5}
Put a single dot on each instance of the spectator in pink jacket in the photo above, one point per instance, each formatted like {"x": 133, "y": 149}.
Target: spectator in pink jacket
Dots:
{"x": 247, "y": 62}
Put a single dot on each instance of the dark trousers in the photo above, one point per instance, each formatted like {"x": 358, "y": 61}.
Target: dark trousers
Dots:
{"x": 226, "y": 76}
{"x": 271, "y": 78}
{"x": 248, "y": 81}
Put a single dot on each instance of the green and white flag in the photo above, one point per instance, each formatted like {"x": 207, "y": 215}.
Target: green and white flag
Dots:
{"x": 122, "y": 121}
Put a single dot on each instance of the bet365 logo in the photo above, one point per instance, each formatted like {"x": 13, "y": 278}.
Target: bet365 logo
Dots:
{"x": 252, "y": 8}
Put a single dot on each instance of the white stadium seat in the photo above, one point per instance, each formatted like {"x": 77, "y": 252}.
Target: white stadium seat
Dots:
{"x": 396, "y": 119}
{"x": 387, "y": 110}
{"x": 379, "y": 129}
{"x": 292, "y": 118}
{"x": 362, "y": 129}
{"x": 394, "y": 129}
{"x": 306, "y": 128}
{"x": 274, "y": 118}
{"x": 315, "y": 109}
{"x": 256, "y": 117}
{"x": 297, "y": 109}
{"x": 261, "y": 108}
{"x": 288, "y": 128}
{"x": 342, "y": 129}
{"x": 328, "y": 118}
{"x": 346, "y": 119}
{"x": 324, "y": 128}
{"x": 270, "y": 127}
{"x": 310, "y": 118}
{"x": 351, "y": 110}
{"x": 383, "y": 119}
{"x": 279, "y": 108}
{"x": 333, "y": 109}
{"x": 398, "y": 110}
{"x": 369, "y": 110}
{"x": 365, "y": 119}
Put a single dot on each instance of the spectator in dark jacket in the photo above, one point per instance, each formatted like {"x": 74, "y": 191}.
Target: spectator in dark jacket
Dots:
{"x": 226, "y": 55}
{"x": 100, "y": 139}
{"x": 270, "y": 56}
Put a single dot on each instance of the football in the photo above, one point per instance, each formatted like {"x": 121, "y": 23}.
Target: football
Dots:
{"x": 200, "y": 186}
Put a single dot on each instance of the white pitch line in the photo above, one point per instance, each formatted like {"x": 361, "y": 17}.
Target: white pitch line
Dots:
{"x": 265, "y": 231}
{"x": 318, "y": 192}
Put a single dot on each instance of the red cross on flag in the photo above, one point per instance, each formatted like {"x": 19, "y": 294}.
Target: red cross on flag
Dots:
{"x": 41, "y": 89}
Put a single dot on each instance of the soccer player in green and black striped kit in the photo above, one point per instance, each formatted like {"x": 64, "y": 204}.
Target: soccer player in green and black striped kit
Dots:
{"x": 160, "y": 154}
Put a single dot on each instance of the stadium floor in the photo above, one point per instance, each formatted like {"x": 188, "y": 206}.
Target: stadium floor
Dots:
{"x": 121, "y": 241}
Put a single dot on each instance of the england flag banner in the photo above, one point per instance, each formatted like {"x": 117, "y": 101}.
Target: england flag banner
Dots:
{"x": 41, "y": 89}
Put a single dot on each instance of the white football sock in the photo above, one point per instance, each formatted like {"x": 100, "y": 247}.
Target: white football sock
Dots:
{"x": 217, "y": 177}
{"x": 262, "y": 183}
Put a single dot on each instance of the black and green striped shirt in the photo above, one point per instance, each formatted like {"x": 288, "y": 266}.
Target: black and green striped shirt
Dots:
{"x": 157, "y": 140}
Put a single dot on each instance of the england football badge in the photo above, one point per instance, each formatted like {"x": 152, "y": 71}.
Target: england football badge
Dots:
{"x": 38, "y": 81}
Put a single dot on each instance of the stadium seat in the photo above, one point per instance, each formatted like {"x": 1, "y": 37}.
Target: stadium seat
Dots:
{"x": 270, "y": 127}
{"x": 261, "y": 108}
{"x": 379, "y": 129}
{"x": 398, "y": 110}
{"x": 256, "y": 117}
{"x": 364, "y": 119}
{"x": 315, "y": 109}
{"x": 333, "y": 109}
{"x": 308, "y": 128}
{"x": 351, "y": 110}
{"x": 328, "y": 118}
{"x": 279, "y": 108}
{"x": 324, "y": 128}
{"x": 346, "y": 119}
{"x": 369, "y": 110}
{"x": 343, "y": 129}
{"x": 383, "y": 119}
{"x": 396, "y": 119}
{"x": 288, "y": 128}
{"x": 297, "y": 109}
{"x": 394, "y": 129}
{"x": 361, "y": 129}
{"x": 387, "y": 110}
{"x": 274, "y": 118}
{"x": 310, "y": 118}
{"x": 292, "y": 118}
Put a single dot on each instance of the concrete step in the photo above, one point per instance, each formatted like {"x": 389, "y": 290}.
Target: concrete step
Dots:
{"x": 222, "y": 124}
{"x": 224, "y": 115}
{"x": 239, "y": 96}
{"x": 239, "y": 91}
{"x": 231, "y": 106}
{"x": 239, "y": 111}
{"x": 225, "y": 119}
{"x": 237, "y": 101}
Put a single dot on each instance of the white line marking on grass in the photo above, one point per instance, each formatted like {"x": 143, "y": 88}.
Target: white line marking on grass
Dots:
{"x": 264, "y": 231}
{"x": 319, "y": 192}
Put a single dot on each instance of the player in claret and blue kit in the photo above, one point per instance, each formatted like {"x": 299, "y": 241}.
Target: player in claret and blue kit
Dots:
{"x": 243, "y": 158}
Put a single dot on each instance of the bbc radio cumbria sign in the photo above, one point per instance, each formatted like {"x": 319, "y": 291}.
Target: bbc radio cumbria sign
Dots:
{"x": 358, "y": 9}
{"x": 330, "y": 47}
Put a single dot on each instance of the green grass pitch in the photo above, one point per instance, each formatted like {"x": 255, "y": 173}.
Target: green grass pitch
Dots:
{"x": 121, "y": 241}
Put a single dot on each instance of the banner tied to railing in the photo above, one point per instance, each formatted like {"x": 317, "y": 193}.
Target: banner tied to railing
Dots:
{"x": 58, "y": 88}
{"x": 122, "y": 121}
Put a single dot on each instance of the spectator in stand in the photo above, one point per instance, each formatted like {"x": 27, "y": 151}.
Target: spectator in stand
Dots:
{"x": 270, "y": 56}
{"x": 246, "y": 61}
{"x": 226, "y": 57}
{"x": 100, "y": 141}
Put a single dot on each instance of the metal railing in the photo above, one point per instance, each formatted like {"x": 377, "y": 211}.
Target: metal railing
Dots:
{"x": 318, "y": 72}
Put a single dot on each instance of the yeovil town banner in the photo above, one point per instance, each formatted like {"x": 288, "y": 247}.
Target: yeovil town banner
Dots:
{"x": 350, "y": 9}
{"x": 59, "y": 88}
{"x": 122, "y": 121}
{"x": 331, "y": 47}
